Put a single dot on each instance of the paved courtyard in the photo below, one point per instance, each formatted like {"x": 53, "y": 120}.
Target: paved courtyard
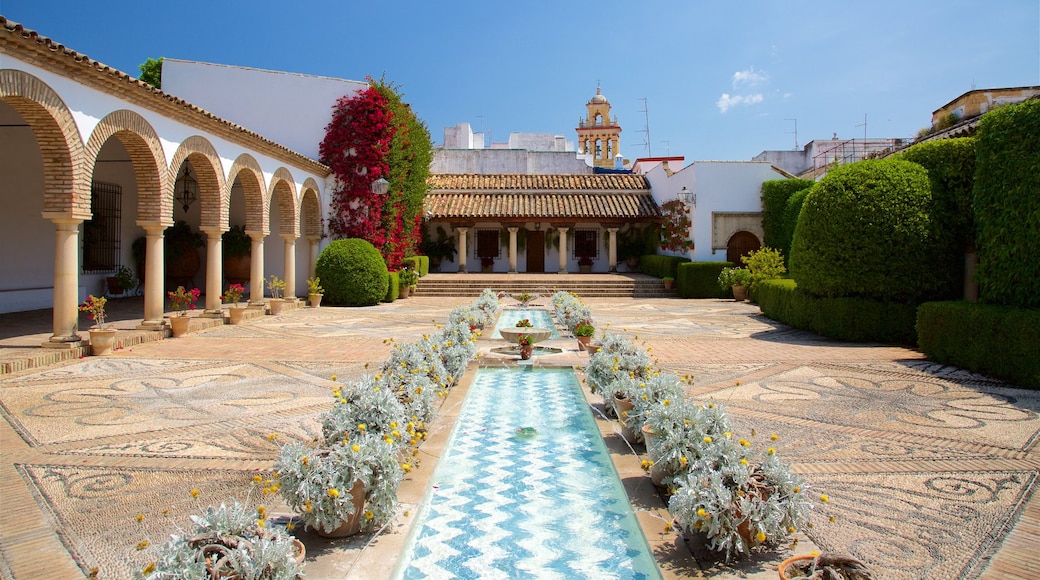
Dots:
{"x": 931, "y": 471}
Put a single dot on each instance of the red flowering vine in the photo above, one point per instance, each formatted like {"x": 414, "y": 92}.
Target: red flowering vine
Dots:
{"x": 675, "y": 227}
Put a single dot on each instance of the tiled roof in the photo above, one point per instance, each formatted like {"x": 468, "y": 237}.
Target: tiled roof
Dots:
{"x": 590, "y": 197}
{"x": 143, "y": 90}
{"x": 524, "y": 182}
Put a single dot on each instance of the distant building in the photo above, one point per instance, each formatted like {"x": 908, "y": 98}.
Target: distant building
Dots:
{"x": 813, "y": 160}
{"x": 464, "y": 151}
{"x": 960, "y": 117}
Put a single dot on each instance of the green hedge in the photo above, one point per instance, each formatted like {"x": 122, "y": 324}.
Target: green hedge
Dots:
{"x": 661, "y": 266}
{"x": 865, "y": 231}
{"x": 352, "y": 272}
{"x": 791, "y": 213}
{"x": 421, "y": 264}
{"x": 951, "y": 171}
{"x": 1007, "y": 205}
{"x": 1000, "y": 341}
{"x": 852, "y": 319}
{"x": 775, "y": 194}
{"x": 393, "y": 290}
{"x": 701, "y": 280}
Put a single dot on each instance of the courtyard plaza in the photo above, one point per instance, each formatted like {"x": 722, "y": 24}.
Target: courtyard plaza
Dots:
{"x": 930, "y": 471}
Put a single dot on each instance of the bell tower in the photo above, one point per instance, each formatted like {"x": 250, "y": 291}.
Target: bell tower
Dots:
{"x": 598, "y": 133}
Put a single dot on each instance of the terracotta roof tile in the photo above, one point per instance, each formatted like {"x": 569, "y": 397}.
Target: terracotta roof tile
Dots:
{"x": 523, "y": 182}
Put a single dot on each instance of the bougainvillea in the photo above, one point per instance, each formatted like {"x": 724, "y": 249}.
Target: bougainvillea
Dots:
{"x": 374, "y": 134}
{"x": 675, "y": 227}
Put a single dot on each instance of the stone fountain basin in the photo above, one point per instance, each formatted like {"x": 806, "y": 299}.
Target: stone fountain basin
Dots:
{"x": 513, "y": 334}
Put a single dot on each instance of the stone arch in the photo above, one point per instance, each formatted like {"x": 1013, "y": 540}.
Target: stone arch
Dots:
{"x": 248, "y": 172}
{"x": 138, "y": 137}
{"x": 310, "y": 209}
{"x": 214, "y": 192}
{"x": 66, "y": 179}
{"x": 283, "y": 191}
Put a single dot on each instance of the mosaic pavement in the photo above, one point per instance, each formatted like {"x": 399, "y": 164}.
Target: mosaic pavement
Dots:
{"x": 931, "y": 471}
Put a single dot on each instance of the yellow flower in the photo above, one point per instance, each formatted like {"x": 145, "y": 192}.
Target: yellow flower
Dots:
{"x": 272, "y": 436}
{"x": 139, "y": 517}
{"x": 333, "y": 492}
{"x": 164, "y": 512}
{"x": 142, "y": 545}
{"x": 745, "y": 443}
{"x": 832, "y": 519}
{"x": 257, "y": 479}
{"x": 362, "y": 427}
{"x": 774, "y": 436}
{"x": 369, "y": 515}
{"x": 305, "y": 460}
{"x": 668, "y": 526}
{"x": 711, "y": 405}
{"x": 743, "y": 461}
{"x": 195, "y": 493}
{"x": 260, "y": 523}
{"x": 761, "y": 537}
{"x": 261, "y": 511}
{"x": 333, "y": 377}
{"x": 791, "y": 530}
{"x": 307, "y": 506}
{"x": 727, "y": 435}
{"x": 290, "y": 526}
{"x": 666, "y": 402}
{"x": 702, "y": 513}
{"x": 771, "y": 451}
{"x": 393, "y": 424}
{"x": 824, "y": 498}
{"x": 356, "y": 448}
{"x": 707, "y": 439}
{"x": 388, "y": 439}
{"x": 683, "y": 460}
{"x": 797, "y": 489}
{"x": 148, "y": 569}
{"x": 407, "y": 467}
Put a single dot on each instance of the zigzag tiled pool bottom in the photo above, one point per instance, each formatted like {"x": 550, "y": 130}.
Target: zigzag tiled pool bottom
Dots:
{"x": 526, "y": 489}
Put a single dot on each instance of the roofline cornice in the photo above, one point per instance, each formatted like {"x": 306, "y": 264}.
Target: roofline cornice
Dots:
{"x": 29, "y": 46}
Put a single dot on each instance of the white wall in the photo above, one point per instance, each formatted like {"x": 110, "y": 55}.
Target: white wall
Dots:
{"x": 490, "y": 161}
{"x": 288, "y": 108}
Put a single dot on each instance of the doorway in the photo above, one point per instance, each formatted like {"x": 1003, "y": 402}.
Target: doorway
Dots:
{"x": 535, "y": 251}
{"x": 741, "y": 244}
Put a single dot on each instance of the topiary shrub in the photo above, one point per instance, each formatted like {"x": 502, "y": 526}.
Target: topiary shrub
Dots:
{"x": 791, "y": 213}
{"x": 661, "y": 266}
{"x": 700, "y": 280}
{"x": 775, "y": 194}
{"x": 393, "y": 289}
{"x": 865, "y": 232}
{"x": 1007, "y": 205}
{"x": 353, "y": 273}
{"x": 951, "y": 170}
{"x": 999, "y": 341}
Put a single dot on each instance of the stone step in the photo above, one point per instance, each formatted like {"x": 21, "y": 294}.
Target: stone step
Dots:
{"x": 601, "y": 285}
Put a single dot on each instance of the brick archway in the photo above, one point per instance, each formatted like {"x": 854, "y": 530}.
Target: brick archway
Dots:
{"x": 247, "y": 171}
{"x": 66, "y": 178}
{"x": 283, "y": 192}
{"x": 310, "y": 209}
{"x": 214, "y": 194}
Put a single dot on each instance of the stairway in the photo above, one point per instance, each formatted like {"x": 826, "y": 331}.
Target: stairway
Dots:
{"x": 584, "y": 285}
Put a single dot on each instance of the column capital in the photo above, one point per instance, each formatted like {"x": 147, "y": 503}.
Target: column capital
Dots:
{"x": 513, "y": 230}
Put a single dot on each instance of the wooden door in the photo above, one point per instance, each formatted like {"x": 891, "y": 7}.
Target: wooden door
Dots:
{"x": 739, "y": 245}
{"x": 535, "y": 251}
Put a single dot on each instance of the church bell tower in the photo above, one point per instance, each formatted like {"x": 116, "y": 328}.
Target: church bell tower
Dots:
{"x": 598, "y": 133}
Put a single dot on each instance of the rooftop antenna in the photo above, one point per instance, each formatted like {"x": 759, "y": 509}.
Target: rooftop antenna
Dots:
{"x": 864, "y": 125}
{"x": 795, "y": 132}
{"x": 646, "y": 117}
{"x": 481, "y": 131}
{"x": 667, "y": 147}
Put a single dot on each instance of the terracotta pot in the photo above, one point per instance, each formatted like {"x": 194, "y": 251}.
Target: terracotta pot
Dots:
{"x": 102, "y": 341}
{"x": 299, "y": 551}
{"x": 622, "y": 405}
{"x": 740, "y": 293}
{"x": 237, "y": 314}
{"x": 352, "y": 524}
{"x": 315, "y": 300}
{"x": 179, "y": 325}
{"x": 404, "y": 291}
{"x": 657, "y": 473}
{"x": 782, "y": 570}
{"x": 668, "y": 284}
{"x": 583, "y": 342}
{"x": 236, "y": 269}
{"x": 592, "y": 348}
{"x": 526, "y": 351}
{"x": 276, "y": 306}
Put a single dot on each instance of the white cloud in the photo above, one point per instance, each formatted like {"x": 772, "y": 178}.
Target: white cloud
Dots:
{"x": 749, "y": 77}
{"x": 727, "y": 101}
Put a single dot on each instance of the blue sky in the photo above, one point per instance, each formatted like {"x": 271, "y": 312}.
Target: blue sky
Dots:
{"x": 722, "y": 80}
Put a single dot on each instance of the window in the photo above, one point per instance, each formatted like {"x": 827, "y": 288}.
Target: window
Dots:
{"x": 586, "y": 243}
{"x": 101, "y": 243}
{"x": 487, "y": 244}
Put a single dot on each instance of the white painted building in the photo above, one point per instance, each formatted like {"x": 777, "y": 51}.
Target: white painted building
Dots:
{"x": 464, "y": 151}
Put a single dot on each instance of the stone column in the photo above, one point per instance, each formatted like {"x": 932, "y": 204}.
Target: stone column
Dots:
{"x": 563, "y": 250}
{"x": 290, "y": 266}
{"x": 214, "y": 272}
{"x": 612, "y": 248}
{"x": 462, "y": 248}
{"x": 154, "y": 277}
{"x": 66, "y": 284}
{"x": 512, "y": 250}
{"x": 312, "y": 251}
{"x": 256, "y": 269}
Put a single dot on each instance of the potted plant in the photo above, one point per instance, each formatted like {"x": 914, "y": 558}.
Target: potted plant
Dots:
{"x": 524, "y": 299}
{"x": 487, "y": 264}
{"x": 524, "y": 323}
{"x": 439, "y": 248}
{"x": 526, "y": 343}
{"x": 314, "y": 291}
{"x": 122, "y": 282}
{"x": 668, "y": 282}
{"x": 584, "y": 331}
{"x": 408, "y": 279}
{"x": 225, "y": 541}
{"x": 585, "y": 264}
{"x": 102, "y": 340}
{"x": 232, "y": 295}
{"x": 342, "y": 489}
{"x": 736, "y": 278}
{"x": 276, "y": 285}
{"x": 181, "y": 301}
{"x": 824, "y": 565}
{"x": 237, "y": 248}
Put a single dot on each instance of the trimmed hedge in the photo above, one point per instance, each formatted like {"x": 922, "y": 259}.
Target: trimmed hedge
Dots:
{"x": 865, "y": 232}
{"x": 1000, "y": 341}
{"x": 421, "y": 264}
{"x": 352, "y": 272}
{"x": 851, "y": 319}
{"x": 1007, "y": 205}
{"x": 791, "y": 213}
{"x": 775, "y": 194}
{"x": 701, "y": 280}
{"x": 661, "y": 266}
{"x": 951, "y": 171}
{"x": 393, "y": 289}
